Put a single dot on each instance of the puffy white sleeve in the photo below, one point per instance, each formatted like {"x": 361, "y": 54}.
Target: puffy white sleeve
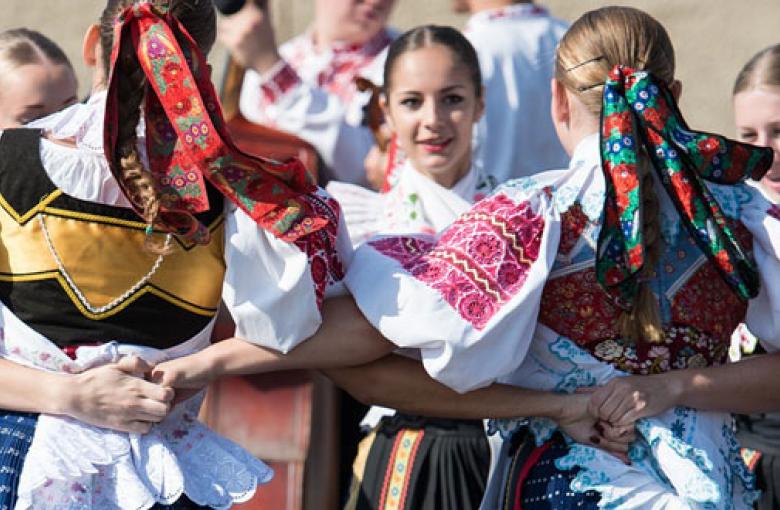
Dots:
{"x": 468, "y": 301}
{"x": 361, "y": 208}
{"x": 282, "y": 99}
{"x": 762, "y": 218}
{"x": 273, "y": 288}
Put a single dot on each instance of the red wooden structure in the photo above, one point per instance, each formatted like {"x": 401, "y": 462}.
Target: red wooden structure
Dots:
{"x": 289, "y": 419}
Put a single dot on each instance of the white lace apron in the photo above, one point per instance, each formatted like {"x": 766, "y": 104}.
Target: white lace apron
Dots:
{"x": 75, "y": 466}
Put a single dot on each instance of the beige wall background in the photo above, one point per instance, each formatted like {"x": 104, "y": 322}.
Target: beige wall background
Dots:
{"x": 713, "y": 38}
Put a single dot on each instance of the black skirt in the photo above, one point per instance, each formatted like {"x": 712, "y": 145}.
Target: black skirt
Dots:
{"x": 419, "y": 463}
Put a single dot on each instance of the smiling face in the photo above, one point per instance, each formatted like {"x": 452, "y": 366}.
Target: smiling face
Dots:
{"x": 757, "y": 118}
{"x": 35, "y": 90}
{"x": 432, "y": 105}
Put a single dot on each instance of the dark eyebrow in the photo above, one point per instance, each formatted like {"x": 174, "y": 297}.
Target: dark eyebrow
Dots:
{"x": 453, "y": 87}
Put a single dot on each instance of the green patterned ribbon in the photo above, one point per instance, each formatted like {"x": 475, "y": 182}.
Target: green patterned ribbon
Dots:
{"x": 640, "y": 116}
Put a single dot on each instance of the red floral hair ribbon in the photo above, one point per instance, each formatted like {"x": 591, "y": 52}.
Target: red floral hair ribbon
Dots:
{"x": 187, "y": 141}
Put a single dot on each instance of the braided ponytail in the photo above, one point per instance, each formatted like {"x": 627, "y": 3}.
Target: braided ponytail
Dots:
{"x": 643, "y": 321}
{"x": 199, "y": 19}
{"x": 594, "y": 44}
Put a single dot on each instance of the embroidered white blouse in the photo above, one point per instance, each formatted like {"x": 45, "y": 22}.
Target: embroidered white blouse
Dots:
{"x": 478, "y": 299}
{"x": 415, "y": 205}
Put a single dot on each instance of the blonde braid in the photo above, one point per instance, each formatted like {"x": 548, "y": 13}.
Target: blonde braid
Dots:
{"x": 643, "y": 321}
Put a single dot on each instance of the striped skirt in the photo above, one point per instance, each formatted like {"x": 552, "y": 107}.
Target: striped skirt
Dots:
{"x": 413, "y": 463}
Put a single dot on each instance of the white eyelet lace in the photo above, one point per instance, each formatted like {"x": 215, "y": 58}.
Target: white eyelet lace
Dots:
{"x": 80, "y": 295}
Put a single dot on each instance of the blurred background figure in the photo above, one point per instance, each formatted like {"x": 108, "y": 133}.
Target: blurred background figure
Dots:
{"x": 307, "y": 85}
{"x": 757, "y": 119}
{"x": 515, "y": 41}
{"x": 36, "y": 77}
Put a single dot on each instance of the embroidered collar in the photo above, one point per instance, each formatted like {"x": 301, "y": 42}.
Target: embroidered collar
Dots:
{"x": 369, "y": 48}
{"x": 510, "y": 12}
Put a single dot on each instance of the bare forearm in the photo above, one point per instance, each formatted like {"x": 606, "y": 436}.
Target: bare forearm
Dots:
{"x": 30, "y": 390}
{"x": 345, "y": 339}
{"x": 402, "y": 383}
{"x": 749, "y": 386}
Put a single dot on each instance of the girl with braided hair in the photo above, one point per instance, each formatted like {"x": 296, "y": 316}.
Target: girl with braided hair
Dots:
{"x": 137, "y": 214}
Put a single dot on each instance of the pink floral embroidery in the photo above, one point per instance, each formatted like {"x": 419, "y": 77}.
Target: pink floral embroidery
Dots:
{"x": 480, "y": 262}
{"x": 402, "y": 249}
{"x": 320, "y": 246}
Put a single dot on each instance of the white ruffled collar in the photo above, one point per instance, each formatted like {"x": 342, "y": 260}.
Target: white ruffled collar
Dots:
{"x": 82, "y": 171}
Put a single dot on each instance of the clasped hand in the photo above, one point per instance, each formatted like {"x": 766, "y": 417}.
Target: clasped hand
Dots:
{"x": 605, "y": 416}
{"x": 118, "y": 396}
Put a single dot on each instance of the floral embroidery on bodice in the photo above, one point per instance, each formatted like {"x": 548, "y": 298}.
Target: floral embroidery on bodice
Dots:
{"x": 698, "y": 308}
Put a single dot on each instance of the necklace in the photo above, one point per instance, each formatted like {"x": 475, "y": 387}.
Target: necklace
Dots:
{"x": 80, "y": 295}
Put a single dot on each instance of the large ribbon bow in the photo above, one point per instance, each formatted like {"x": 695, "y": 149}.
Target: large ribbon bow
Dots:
{"x": 639, "y": 112}
{"x": 186, "y": 139}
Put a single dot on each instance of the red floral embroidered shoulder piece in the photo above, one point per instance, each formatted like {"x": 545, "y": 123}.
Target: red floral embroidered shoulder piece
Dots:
{"x": 480, "y": 262}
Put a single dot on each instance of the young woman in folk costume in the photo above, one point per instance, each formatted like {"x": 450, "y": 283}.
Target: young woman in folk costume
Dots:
{"x": 737, "y": 387}
{"x": 756, "y": 100}
{"x": 432, "y": 99}
{"x": 119, "y": 244}
{"x": 637, "y": 259}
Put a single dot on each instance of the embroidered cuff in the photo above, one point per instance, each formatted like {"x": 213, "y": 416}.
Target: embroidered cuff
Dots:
{"x": 277, "y": 82}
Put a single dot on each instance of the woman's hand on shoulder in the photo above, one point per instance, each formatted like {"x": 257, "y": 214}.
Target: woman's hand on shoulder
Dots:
{"x": 116, "y": 396}
{"x": 624, "y": 400}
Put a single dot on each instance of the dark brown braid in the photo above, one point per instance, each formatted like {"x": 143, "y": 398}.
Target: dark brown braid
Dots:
{"x": 198, "y": 18}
